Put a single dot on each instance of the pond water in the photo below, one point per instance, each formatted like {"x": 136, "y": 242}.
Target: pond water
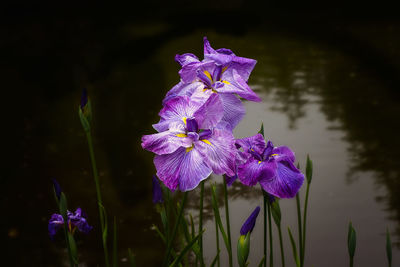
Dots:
{"x": 319, "y": 98}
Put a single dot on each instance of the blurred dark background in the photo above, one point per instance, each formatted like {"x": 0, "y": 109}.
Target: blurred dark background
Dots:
{"x": 49, "y": 52}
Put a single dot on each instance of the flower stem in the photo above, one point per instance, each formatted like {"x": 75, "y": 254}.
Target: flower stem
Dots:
{"x": 265, "y": 229}
{"x": 271, "y": 253}
{"x": 228, "y": 225}
{"x": 299, "y": 228}
{"x": 304, "y": 225}
{"x": 98, "y": 192}
{"x": 281, "y": 245}
{"x": 201, "y": 223}
{"x": 217, "y": 240}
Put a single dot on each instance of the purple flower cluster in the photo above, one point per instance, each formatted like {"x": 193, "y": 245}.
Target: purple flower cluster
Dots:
{"x": 195, "y": 137}
{"x": 75, "y": 221}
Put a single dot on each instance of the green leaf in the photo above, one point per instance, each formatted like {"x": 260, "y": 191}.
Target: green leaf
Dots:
{"x": 217, "y": 216}
{"x": 115, "y": 249}
{"x": 155, "y": 228}
{"x": 309, "y": 169}
{"x": 388, "y": 247}
{"x": 351, "y": 240}
{"x": 63, "y": 207}
{"x": 276, "y": 212}
{"x": 261, "y": 262}
{"x": 72, "y": 245}
{"x": 193, "y": 231}
{"x": 164, "y": 219}
{"x": 131, "y": 258}
{"x": 261, "y": 131}
{"x": 185, "y": 250}
{"x": 294, "y": 249}
{"x": 215, "y": 259}
{"x": 105, "y": 231}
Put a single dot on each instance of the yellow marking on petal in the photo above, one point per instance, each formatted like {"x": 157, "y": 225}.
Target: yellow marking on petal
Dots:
{"x": 252, "y": 149}
{"x": 184, "y": 119}
{"x": 208, "y": 75}
{"x": 224, "y": 69}
{"x": 206, "y": 141}
{"x": 205, "y": 89}
{"x": 226, "y": 82}
{"x": 189, "y": 148}
{"x": 274, "y": 155}
{"x": 214, "y": 91}
{"x": 181, "y": 135}
{"x": 259, "y": 161}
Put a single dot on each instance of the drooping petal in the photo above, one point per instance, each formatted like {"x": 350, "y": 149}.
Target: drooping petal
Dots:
{"x": 210, "y": 113}
{"x": 249, "y": 224}
{"x": 219, "y": 151}
{"x": 185, "y": 168}
{"x": 165, "y": 142}
{"x": 234, "y": 110}
{"x": 56, "y": 222}
{"x": 80, "y": 222}
{"x": 234, "y": 83}
{"x": 186, "y": 58}
{"x": 182, "y": 89}
{"x": 285, "y": 179}
{"x": 252, "y": 171}
{"x": 193, "y": 170}
{"x": 178, "y": 108}
{"x": 284, "y": 151}
{"x": 255, "y": 142}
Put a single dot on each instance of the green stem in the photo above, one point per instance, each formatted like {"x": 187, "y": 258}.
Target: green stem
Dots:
{"x": 201, "y": 223}
{"x": 281, "y": 245}
{"x": 71, "y": 259}
{"x": 175, "y": 229}
{"x": 304, "y": 225}
{"x": 351, "y": 261}
{"x": 228, "y": 225}
{"x": 299, "y": 228}
{"x": 271, "y": 253}
{"x": 217, "y": 239}
{"x": 265, "y": 229}
{"x": 99, "y": 200}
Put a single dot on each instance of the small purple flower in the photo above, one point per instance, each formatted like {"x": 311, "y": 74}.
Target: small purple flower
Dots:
{"x": 157, "y": 192}
{"x": 221, "y": 72}
{"x": 76, "y": 220}
{"x": 191, "y": 144}
{"x": 249, "y": 224}
{"x": 270, "y": 166}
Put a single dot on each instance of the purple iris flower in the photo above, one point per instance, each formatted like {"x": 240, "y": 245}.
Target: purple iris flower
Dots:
{"x": 270, "y": 166}
{"x": 57, "y": 188}
{"x": 76, "y": 220}
{"x": 157, "y": 192}
{"x": 249, "y": 224}
{"x": 221, "y": 72}
{"x": 191, "y": 143}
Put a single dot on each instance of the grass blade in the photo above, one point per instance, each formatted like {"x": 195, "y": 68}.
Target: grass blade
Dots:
{"x": 293, "y": 243}
{"x": 388, "y": 248}
{"x": 185, "y": 250}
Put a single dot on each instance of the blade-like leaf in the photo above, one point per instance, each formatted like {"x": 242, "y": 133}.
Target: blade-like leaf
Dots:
{"x": 351, "y": 240}
{"x": 294, "y": 249}
{"x": 72, "y": 245}
{"x": 217, "y": 216}
{"x": 131, "y": 258}
{"x": 215, "y": 259}
{"x": 115, "y": 249}
{"x": 276, "y": 212}
{"x": 309, "y": 169}
{"x": 388, "y": 248}
{"x": 105, "y": 231}
{"x": 261, "y": 262}
{"x": 155, "y": 228}
{"x": 261, "y": 131}
{"x": 185, "y": 250}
